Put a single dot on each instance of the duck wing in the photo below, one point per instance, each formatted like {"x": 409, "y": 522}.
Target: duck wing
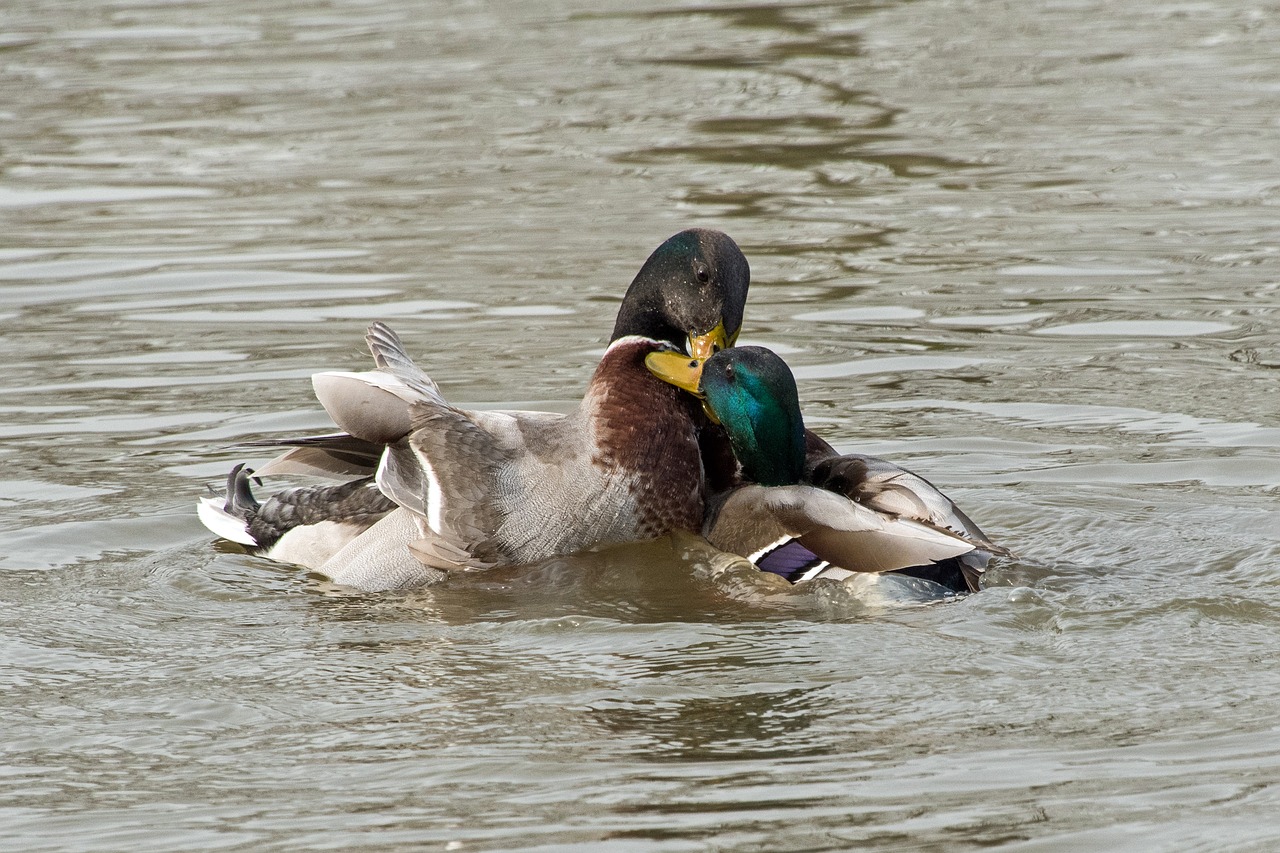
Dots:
{"x": 333, "y": 455}
{"x": 372, "y": 406}
{"x": 435, "y": 460}
{"x": 446, "y": 472}
{"x": 800, "y": 531}
{"x": 494, "y": 488}
{"x": 466, "y": 477}
{"x": 893, "y": 490}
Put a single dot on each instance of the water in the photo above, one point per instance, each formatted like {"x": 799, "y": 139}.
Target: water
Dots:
{"x": 1028, "y": 250}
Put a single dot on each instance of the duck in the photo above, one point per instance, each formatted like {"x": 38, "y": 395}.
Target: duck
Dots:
{"x": 378, "y": 530}
{"x": 802, "y": 510}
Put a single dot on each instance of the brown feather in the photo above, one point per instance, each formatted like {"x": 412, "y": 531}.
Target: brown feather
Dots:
{"x": 647, "y": 431}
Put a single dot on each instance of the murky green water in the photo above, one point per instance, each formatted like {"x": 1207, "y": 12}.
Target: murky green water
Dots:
{"x": 1028, "y": 250}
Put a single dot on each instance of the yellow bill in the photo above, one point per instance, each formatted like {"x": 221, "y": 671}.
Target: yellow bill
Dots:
{"x": 681, "y": 371}
{"x": 708, "y": 344}
{"x": 676, "y": 368}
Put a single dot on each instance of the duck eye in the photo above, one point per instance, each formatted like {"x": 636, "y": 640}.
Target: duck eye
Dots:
{"x": 702, "y": 273}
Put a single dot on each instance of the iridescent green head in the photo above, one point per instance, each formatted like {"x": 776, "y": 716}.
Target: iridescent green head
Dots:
{"x": 752, "y": 392}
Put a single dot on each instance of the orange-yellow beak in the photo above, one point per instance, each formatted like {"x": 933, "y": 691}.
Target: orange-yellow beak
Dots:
{"x": 706, "y": 345}
{"x": 681, "y": 371}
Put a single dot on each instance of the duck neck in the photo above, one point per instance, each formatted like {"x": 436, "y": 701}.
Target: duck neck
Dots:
{"x": 769, "y": 445}
{"x": 639, "y": 318}
{"x": 645, "y": 428}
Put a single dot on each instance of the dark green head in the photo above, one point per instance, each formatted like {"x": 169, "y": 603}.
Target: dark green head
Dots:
{"x": 691, "y": 286}
{"x": 751, "y": 391}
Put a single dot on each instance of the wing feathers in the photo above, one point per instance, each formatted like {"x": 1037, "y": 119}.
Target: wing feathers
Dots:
{"x": 366, "y": 405}
{"x": 332, "y": 455}
{"x": 758, "y": 520}
{"x": 391, "y": 358}
{"x": 887, "y": 488}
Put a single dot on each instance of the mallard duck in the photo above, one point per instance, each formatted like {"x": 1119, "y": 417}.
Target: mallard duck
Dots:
{"x": 509, "y": 488}
{"x": 804, "y": 511}
{"x": 690, "y": 292}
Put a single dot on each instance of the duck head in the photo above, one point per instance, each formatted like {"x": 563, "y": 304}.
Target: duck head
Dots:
{"x": 752, "y": 393}
{"x": 691, "y": 292}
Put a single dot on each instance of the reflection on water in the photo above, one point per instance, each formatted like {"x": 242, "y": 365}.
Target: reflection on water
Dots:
{"x": 751, "y": 727}
{"x": 1028, "y": 251}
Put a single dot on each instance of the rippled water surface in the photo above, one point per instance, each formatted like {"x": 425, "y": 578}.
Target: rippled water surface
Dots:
{"x": 1027, "y": 249}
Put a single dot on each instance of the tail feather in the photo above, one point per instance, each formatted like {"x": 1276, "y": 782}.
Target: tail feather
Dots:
{"x": 240, "y": 499}
{"x": 228, "y": 515}
{"x": 959, "y": 574}
{"x": 333, "y": 455}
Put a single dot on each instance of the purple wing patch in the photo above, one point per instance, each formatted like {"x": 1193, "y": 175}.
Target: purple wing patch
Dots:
{"x": 791, "y": 560}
